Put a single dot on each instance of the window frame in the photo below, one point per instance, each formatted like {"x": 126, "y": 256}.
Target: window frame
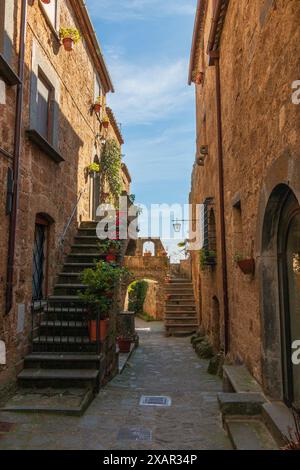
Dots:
{"x": 54, "y": 27}
{"x": 47, "y": 83}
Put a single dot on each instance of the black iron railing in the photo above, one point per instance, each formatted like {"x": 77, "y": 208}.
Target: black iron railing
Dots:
{"x": 65, "y": 327}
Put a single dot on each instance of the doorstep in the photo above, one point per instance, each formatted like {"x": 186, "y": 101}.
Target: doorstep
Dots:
{"x": 124, "y": 358}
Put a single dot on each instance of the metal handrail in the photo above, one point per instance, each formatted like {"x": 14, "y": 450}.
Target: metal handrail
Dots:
{"x": 62, "y": 238}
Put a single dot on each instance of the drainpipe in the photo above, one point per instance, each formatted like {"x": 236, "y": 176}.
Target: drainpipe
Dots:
{"x": 222, "y": 207}
{"x": 215, "y": 61}
{"x": 16, "y": 160}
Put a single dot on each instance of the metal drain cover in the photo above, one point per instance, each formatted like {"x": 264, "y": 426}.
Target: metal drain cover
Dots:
{"x": 135, "y": 433}
{"x": 155, "y": 401}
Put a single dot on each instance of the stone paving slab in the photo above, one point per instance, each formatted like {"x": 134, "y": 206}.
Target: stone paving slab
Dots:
{"x": 192, "y": 422}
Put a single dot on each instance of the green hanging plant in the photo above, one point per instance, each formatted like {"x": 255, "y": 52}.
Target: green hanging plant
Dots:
{"x": 111, "y": 168}
{"x": 94, "y": 168}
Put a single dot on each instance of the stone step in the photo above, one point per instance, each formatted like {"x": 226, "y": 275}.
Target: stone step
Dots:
{"x": 57, "y": 378}
{"x": 181, "y": 324}
{"x": 69, "y": 278}
{"x": 89, "y": 232}
{"x": 63, "y": 328}
{"x": 63, "y": 361}
{"x": 182, "y": 318}
{"x": 63, "y": 344}
{"x": 181, "y": 308}
{"x": 249, "y": 434}
{"x": 87, "y": 240}
{"x": 76, "y": 267}
{"x": 91, "y": 248}
{"x": 69, "y": 401}
{"x": 279, "y": 419}
{"x": 180, "y": 311}
{"x": 84, "y": 257}
{"x": 88, "y": 224}
{"x": 68, "y": 289}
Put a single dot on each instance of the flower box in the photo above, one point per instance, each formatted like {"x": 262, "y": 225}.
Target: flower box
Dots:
{"x": 247, "y": 266}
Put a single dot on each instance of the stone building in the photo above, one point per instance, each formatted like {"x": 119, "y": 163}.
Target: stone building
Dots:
{"x": 49, "y": 135}
{"x": 245, "y": 66}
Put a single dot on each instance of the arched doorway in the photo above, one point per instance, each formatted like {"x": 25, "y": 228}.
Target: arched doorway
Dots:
{"x": 289, "y": 276}
{"x": 280, "y": 272}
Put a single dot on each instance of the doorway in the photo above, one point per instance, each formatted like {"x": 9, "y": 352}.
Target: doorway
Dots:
{"x": 289, "y": 277}
{"x": 280, "y": 293}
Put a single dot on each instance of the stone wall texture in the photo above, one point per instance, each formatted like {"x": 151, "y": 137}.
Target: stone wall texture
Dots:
{"x": 259, "y": 61}
{"x": 46, "y": 187}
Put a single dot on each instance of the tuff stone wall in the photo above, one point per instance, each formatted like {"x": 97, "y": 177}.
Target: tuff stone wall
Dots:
{"x": 259, "y": 61}
{"x": 151, "y": 305}
{"x": 46, "y": 187}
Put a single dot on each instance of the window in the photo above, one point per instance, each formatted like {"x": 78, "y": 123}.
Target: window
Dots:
{"x": 44, "y": 100}
{"x": 209, "y": 225}
{"x": 97, "y": 88}
{"x": 40, "y": 258}
{"x": 51, "y": 10}
{"x": 7, "y": 28}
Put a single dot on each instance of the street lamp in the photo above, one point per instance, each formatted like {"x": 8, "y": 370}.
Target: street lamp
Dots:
{"x": 177, "y": 224}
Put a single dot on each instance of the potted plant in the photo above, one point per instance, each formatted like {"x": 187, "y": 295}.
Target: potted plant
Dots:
{"x": 93, "y": 169}
{"x": 69, "y": 37}
{"x": 207, "y": 258}
{"x": 246, "y": 265}
{"x": 98, "y": 105}
{"x": 105, "y": 122}
{"x": 111, "y": 247}
{"x": 98, "y": 295}
{"x": 124, "y": 343}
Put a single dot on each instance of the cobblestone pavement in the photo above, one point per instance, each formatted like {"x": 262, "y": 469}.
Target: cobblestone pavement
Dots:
{"x": 115, "y": 420}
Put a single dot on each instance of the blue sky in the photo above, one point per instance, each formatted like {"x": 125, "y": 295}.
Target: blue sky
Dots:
{"x": 146, "y": 44}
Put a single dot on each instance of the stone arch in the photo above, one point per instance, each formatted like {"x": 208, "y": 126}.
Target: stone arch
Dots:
{"x": 271, "y": 314}
{"x": 283, "y": 175}
{"x": 160, "y": 291}
{"x": 149, "y": 246}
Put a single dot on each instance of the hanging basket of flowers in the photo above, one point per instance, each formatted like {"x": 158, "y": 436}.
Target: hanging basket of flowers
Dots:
{"x": 105, "y": 122}
{"x": 93, "y": 169}
{"x": 69, "y": 37}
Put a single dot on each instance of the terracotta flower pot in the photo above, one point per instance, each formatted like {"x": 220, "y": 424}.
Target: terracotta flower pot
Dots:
{"x": 105, "y": 124}
{"x": 103, "y": 328}
{"x": 68, "y": 44}
{"x": 97, "y": 107}
{"x": 247, "y": 266}
{"x": 124, "y": 345}
{"x": 46, "y": 2}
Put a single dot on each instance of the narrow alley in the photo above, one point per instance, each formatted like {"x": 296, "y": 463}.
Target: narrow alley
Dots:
{"x": 116, "y": 421}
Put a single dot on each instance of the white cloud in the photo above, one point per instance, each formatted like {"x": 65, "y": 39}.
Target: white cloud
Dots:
{"x": 151, "y": 93}
{"x": 121, "y": 10}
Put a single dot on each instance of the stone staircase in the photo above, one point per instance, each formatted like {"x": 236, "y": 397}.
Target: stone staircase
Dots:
{"x": 250, "y": 419}
{"x": 180, "y": 310}
{"x": 64, "y": 365}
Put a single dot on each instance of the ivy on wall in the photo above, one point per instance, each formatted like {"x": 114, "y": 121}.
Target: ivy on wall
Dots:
{"x": 111, "y": 168}
{"x": 137, "y": 292}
